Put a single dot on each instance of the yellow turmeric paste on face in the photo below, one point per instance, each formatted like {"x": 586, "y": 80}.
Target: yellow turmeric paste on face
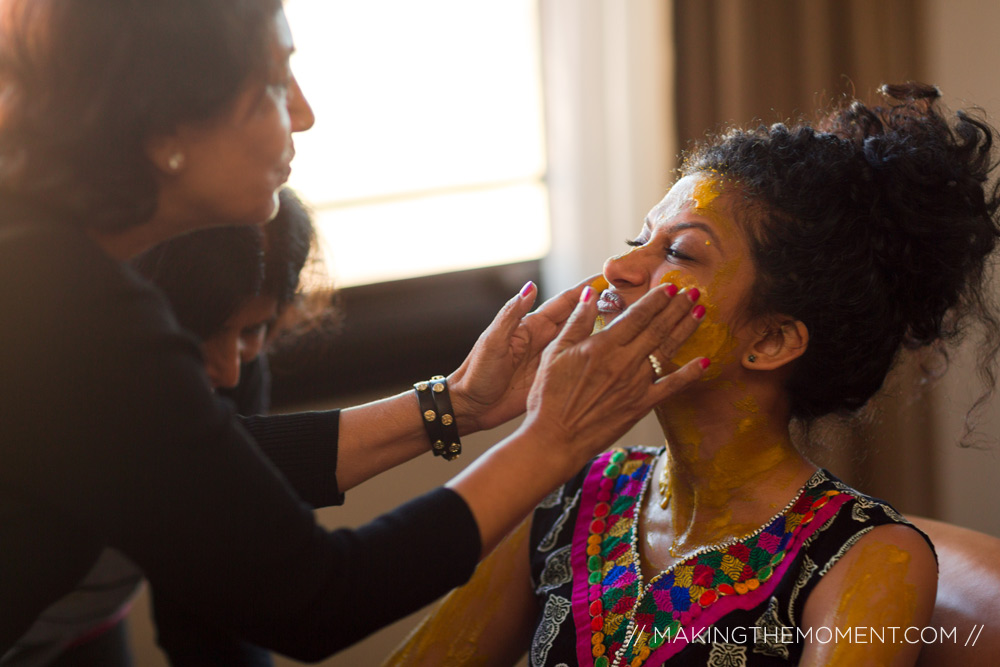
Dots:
{"x": 743, "y": 456}
{"x": 599, "y": 284}
{"x": 712, "y": 338}
{"x": 705, "y": 192}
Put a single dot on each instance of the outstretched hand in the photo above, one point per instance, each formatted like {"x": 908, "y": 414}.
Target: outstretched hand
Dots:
{"x": 491, "y": 386}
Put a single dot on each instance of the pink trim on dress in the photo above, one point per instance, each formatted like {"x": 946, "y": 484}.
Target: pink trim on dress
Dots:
{"x": 578, "y": 558}
{"x": 753, "y": 598}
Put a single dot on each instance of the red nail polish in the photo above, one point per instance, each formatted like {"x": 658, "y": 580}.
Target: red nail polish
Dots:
{"x": 698, "y": 312}
{"x": 587, "y": 294}
{"x": 670, "y": 289}
{"x": 693, "y": 294}
{"x": 704, "y": 362}
{"x": 526, "y": 290}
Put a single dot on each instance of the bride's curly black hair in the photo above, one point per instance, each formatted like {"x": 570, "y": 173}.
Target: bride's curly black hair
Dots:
{"x": 874, "y": 228}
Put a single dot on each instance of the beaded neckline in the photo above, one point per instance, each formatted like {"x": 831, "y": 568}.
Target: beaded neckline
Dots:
{"x": 628, "y": 620}
{"x": 814, "y": 479}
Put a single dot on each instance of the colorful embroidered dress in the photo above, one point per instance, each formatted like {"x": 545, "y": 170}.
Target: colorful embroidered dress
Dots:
{"x": 734, "y": 604}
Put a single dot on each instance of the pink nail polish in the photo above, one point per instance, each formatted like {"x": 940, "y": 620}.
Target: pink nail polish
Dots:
{"x": 670, "y": 289}
{"x": 587, "y": 294}
{"x": 704, "y": 362}
{"x": 526, "y": 290}
{"x": 698, "y": 312}
{"x": 693, "y": 294}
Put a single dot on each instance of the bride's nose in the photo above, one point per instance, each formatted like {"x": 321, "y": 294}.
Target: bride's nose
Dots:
{"x": 629, "y": 269}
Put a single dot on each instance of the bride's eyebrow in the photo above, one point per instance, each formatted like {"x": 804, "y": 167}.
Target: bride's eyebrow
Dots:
{"x": 681, "y": 226}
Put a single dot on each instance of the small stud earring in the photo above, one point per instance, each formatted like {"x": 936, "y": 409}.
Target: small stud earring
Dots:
{"x": 175, "y": 161}
{"x": 752, "y": 358}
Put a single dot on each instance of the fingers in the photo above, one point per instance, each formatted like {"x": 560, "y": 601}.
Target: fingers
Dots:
{"x": 652, "y": 318}
{"x": 558, "y": 308}
{"x": 581, "y": 321}
{"x": 677, "y": 381}
{"x": 514, "y": 310}
{"x": 669, "y": 343}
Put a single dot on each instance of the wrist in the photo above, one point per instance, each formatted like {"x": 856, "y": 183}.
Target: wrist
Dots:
{"x": 438, "y": 415}
{"x": 552, "y": 447}
{"x": 467, "y": 411}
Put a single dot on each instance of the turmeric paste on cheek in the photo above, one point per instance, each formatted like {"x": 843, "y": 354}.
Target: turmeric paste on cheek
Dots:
{"x": 711, "y": 339}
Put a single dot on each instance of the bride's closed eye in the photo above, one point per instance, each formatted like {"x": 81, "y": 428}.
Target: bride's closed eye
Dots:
{"x": 672, "y": 251}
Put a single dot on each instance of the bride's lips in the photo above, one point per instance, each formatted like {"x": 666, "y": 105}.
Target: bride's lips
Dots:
{"x": 610, "y": 304}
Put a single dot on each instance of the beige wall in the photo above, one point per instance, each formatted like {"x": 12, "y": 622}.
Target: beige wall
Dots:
{"x": 963, "y": 61}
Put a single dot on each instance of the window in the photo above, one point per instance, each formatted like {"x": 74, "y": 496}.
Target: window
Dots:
{"x": 426, "y": 171}
{"x": 428, "y": 150}
{"x": 427, "y": 156}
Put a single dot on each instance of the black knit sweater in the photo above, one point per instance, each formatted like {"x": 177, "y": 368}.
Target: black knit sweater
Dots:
{"x": 109, "y": 436}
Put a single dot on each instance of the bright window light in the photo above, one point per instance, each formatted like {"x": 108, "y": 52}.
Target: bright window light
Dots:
{"x": 428, "y": 150}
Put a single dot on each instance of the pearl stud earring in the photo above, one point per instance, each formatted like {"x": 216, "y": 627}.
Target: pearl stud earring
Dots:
{"x": 175, "y": 161}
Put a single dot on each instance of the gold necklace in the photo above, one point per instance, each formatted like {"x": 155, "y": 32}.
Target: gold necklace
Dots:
{"x": 664, "y": 488}
{"x": 665, "y": 494}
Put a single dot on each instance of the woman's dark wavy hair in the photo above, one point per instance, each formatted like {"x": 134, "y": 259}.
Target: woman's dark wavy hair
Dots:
{"x": 209, "y": 274}
{"x": 874, "y": 229}
{"x": 84, "y": 84}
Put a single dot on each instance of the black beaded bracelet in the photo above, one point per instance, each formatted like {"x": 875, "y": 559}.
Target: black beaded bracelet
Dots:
{"x": 439, "y": 417}
{"x": 429, "y": 416}
{"x": 446, "y": 414}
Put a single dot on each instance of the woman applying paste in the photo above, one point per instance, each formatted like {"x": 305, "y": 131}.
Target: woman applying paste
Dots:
{"x": 821, "y": 253}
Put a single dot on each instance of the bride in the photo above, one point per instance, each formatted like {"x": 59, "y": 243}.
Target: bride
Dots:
{"x": 818, "y": 254}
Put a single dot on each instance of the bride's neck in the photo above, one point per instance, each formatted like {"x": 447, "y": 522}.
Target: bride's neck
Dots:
{"x": 729, "y": 457}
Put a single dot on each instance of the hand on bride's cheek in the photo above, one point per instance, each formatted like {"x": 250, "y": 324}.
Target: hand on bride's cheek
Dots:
{"x": 693, "y": 240}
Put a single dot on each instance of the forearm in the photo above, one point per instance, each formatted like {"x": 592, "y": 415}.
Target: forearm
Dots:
{"x": 488, "y": 389}
{"x": 303, "y": 446}
{"x": 529, "y": 461}
{"x": 378, "y": 436}
{"x": 488, "y": 621}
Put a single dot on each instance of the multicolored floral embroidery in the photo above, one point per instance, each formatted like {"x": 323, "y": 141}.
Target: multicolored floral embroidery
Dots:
{"x": 628, "y": 622}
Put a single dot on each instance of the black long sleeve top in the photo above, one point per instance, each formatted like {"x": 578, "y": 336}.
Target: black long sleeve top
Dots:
{"x": 109, "y": 436}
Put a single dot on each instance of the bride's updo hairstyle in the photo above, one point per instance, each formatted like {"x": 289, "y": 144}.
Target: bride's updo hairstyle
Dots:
{"x": 874, "y": 229}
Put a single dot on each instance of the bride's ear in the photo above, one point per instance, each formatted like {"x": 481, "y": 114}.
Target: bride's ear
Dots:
{"x": 779, "y": 344}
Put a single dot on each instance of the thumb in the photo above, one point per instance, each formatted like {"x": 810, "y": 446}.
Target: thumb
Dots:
{"x": 580, "y": 325}
{"x": 512, "y": 312}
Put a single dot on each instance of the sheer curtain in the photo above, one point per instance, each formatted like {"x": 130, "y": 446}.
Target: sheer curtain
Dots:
{"x": 607, "y": 73}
